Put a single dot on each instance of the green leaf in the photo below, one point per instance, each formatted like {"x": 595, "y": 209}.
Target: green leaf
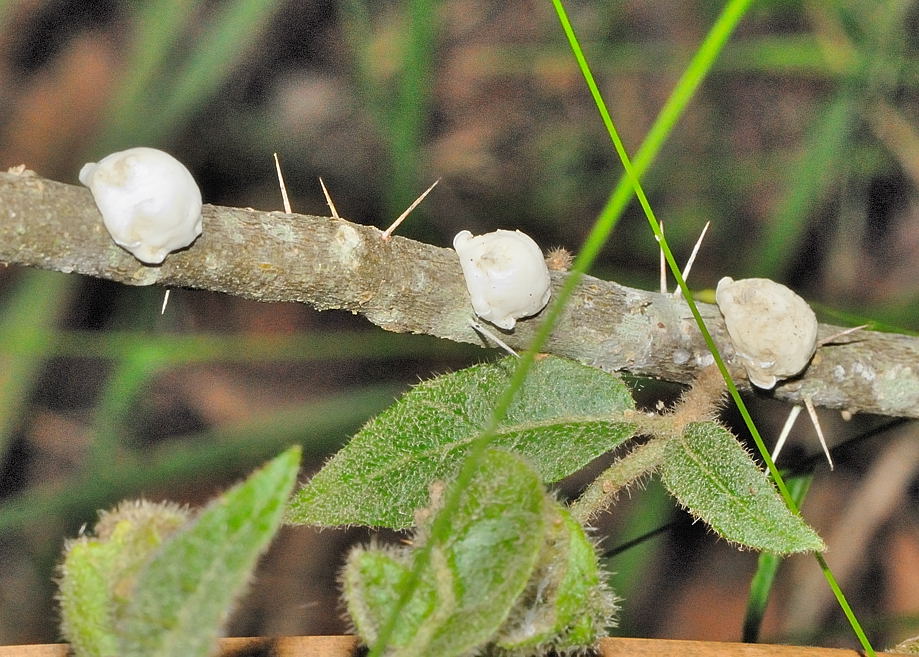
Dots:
{"x": 85, "y": 598}
{"x": 565, "y": 415}
{"x": 566, "y": 605}
{"x": 98, "y": 571}
{"x": 371, "y": 581}
{"x": 470, "y": 582}
{"x": 717, "y": 481}
{"x": 182, "y": 595}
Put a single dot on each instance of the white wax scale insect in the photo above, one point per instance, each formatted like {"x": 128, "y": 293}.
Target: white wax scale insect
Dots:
{"x": 774, "y": 331}
{"x": 149, "y": 201}
{"x": 505, "y": 273}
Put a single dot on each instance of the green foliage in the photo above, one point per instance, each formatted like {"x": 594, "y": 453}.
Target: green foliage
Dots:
{"x": 713, "y": 477}
{"x": 565, "y": 415}
{"x": 517, "y": 570}
{"x": 98, "y": 573}
{"x": 463, "y": 598}
{"x": 522, "y": 578}
{"x": 566, "y": 605}
{"x": 27, "y": 320}
{"x": 151, "y": 106}
{"x": 150, "y": 583}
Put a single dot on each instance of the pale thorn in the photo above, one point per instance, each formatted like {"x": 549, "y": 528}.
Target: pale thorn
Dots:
{"x": 663, "y": 261}
{"x": 692, "y": 259}
{"x": 835, "y": 336}
{"x": 809, "y": 403}
{"x": 389, "y": 231}
{"x": 783, "y": 436}
{"x": 165, "y": 301}
{"x": 277, "y": 165}
{"x": 328, "y": 199}
{"x": 484, "y": 331}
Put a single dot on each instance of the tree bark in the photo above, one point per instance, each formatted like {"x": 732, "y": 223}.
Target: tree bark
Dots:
{"x": 407, "y": 286}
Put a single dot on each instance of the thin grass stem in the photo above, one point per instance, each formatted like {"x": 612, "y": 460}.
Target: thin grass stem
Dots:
{"x": 767, "y": 566}
{"x": 736, "y": 8}
{"x": 587, "y": 254}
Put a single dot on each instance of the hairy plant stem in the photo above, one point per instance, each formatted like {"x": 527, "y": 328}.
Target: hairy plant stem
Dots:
{"x": 638, "y": 463}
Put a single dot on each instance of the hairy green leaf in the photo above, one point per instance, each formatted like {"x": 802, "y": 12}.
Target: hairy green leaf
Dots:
{"x": 182, "y": 594}
{"x": 98, "y": 571}
{"x": 565, "y": 415}
{"x": 372, "y": 581}
{"x": 717, "y": 481}
{"x": 566, "y": 605}
{"x": 470, "y": 583}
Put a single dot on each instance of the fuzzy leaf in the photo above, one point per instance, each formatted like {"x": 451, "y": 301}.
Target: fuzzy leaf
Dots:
{"x": 565, "y": 415}
{"x": 85, "y": 599}
{"x": 98, "y": 571}
{"x": 372, "y": 580}
{"x": 183, "y": 594}
{"x": 566, "y": 605}
{"x": 716, "y": 480}
{"x": 471, "y": 581}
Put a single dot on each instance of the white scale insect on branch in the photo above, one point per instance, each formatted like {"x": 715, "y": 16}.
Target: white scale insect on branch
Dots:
{"x": 149, "y": 201}
{"x": 774, "y": 331}
{"x": 505, "y": 273}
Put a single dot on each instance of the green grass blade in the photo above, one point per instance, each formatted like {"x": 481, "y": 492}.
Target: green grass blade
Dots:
{"x": 231, "y": 34}
{"x": 408, "y": 121}
{"x": 118, "y": 401}
{"x": 630, "y": 562}
{"x": 318, "y": 426}
{"x": 741, "y": 6}
{"x": 857, "y": 319}
{"x": 357, "y": 25}
{"x": 698, "y": 69}
{"x": 401, "y": 123}
{"x": 27, "y": 333}
{"x": 172, "y": 349}
{"x": 766, "y": 569}
{"x": 827, "y": 157}
{"x": 587, "y": 254}
{"x": 825, "y": 148}
{"x": 158, "y": 28}
{"x": 5, "y": 7}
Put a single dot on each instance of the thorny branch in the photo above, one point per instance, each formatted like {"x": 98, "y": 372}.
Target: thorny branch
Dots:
{"x": 406, "y": 286}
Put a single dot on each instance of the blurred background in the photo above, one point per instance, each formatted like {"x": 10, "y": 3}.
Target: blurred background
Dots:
{"x": 801, "y": 148}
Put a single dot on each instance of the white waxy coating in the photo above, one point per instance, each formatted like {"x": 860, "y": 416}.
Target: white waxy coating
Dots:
{"x": 506, "y": 275}
{"x": 149, "y": 201}
{"x": 774, "y": 331}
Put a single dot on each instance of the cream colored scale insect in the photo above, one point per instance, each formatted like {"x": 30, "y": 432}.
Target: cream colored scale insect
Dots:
{"x": 149, "y": 201}
{"x": 505, "y": 273}
{"x": 774, "y": 333}
{"x": 773, "y": 330}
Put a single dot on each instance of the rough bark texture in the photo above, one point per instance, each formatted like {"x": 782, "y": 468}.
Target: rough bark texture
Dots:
{"x": 407, "y": 286}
